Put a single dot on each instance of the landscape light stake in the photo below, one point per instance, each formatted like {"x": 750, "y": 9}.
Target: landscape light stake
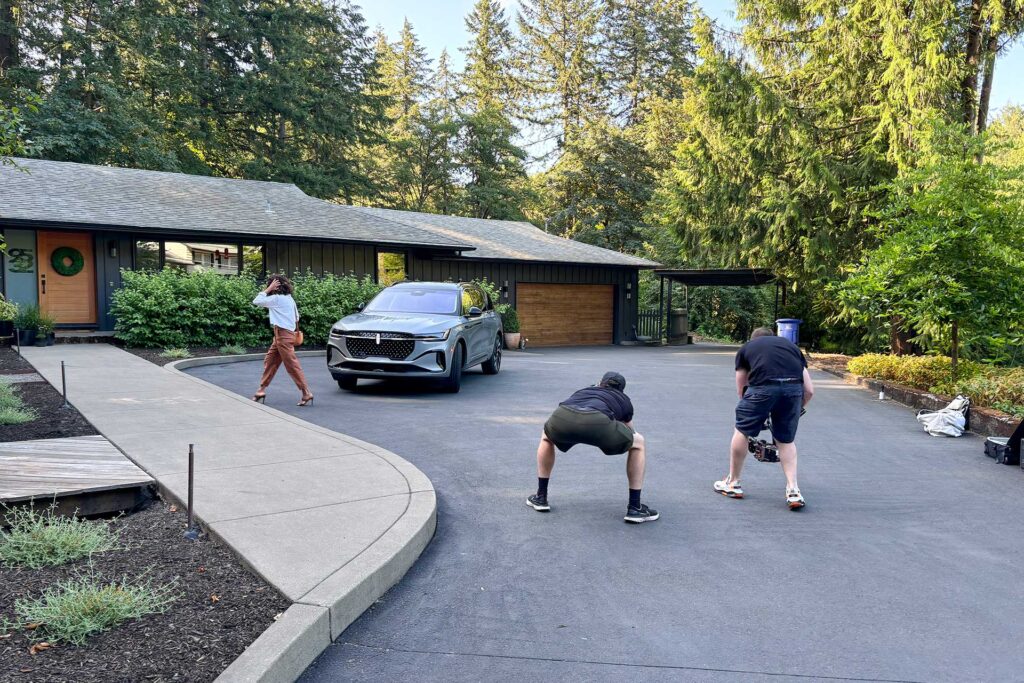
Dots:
{"x": 191, "y": 532}
{"x": 64, "y": 385}
{"x": 17, "y": 339}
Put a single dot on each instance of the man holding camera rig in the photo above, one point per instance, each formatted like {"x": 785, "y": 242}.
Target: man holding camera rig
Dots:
{"x": 772, "y": 381}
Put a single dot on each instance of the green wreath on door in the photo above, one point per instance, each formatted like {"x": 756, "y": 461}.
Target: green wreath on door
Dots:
{"x": 60, "y": 257}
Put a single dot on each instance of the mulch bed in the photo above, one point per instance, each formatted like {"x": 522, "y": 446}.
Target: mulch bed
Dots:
{"x": 153, "y": 355}
{"x": 831, "y": 362}
{"x": 222, "y": 608}
{"x": 54, "y": 421}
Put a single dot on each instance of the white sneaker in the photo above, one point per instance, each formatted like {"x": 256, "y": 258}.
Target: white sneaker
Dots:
{"x": 794, "y": 499}
{"x": 729, "y": 488}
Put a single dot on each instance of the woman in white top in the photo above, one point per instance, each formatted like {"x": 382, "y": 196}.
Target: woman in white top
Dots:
{"x": 284, "y": 318}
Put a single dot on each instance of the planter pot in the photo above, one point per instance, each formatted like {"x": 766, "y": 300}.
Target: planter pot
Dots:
{"x": 6, "y": 328}
{"x": 26, "y": 337}
{"x": 49, "y": 340}
{"x": 512, "y": 340}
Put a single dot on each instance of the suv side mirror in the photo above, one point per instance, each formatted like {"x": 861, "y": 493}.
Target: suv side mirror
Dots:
{"x": 360, "y": 306}
{"x": 474, "y": 312}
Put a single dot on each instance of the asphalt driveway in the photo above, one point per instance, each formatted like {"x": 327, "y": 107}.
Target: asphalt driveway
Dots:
{"x": 907, "y": 564}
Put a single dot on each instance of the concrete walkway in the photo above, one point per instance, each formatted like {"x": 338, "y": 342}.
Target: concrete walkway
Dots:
{"x": 330, "y": 521}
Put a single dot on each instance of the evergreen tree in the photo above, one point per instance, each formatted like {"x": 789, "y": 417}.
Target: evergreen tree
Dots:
{"x": 488, "y": 78}
{"x": 494, "y": 165}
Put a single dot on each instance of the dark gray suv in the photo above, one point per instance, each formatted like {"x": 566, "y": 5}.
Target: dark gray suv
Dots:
{"x": 417, "y": 330}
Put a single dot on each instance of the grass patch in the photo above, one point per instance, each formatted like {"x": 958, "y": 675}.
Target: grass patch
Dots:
{"x": 45, "y": 539}
{"x": 12, "y": 408}
{"x": 176, "y": 353}
{"x": 75, "y": 609}
{"x": 232, "y": 349}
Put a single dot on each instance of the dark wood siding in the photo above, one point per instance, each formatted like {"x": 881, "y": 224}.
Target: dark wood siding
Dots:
{"x": 320, "y": 257}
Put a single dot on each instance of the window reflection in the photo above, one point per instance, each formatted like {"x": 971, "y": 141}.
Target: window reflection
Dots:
{"x": 147, "y": 255}
{"x": 197, "y": 256}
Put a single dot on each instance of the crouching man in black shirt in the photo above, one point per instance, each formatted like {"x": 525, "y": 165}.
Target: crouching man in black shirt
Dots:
{"x": 772, "y": 381}
{"x": 599, "y": 416}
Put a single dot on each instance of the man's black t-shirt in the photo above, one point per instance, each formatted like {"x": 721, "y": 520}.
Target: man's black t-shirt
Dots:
{"x": 768, "y": 358}
{"x": 611, "y": 402}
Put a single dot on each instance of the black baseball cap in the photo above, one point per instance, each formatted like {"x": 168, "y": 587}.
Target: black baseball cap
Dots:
{"x": 613, "y": 380}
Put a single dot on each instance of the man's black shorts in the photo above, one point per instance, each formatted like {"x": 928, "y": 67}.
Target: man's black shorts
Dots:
{"x": 567, "y": 427}
{"x": 780, "y": 401}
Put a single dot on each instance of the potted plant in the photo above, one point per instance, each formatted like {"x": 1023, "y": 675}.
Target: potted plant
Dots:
{"x": 8, "y": 312}
{"x": 510, "y": 325}
{"x": 25, "y": 322}
{"x": 44, "y": 330}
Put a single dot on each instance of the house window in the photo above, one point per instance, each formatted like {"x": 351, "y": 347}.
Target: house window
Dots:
{"x": 197, "y": 256}
{"x": 147, "y": 255}
{"x": 390, "y": 267}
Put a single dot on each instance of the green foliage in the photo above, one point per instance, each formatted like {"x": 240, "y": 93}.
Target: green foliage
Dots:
{"x": 948, "y": 262}
{"x": 322, "y": 301}
{"x": 45, "y": 324}
{"x": 492, "y": 290}
{"x": 232, "y": 350}
{"x": 997, "y": 388}
{"x": 75, "y": 609}
{"x": 173, "y": 309}
{"x": 45, "y": 538}
{"x": 176, "y": 354}
{"x": 8, "y": 309}
{"x": 27, "y": 318}
{"x": 509, "y": 318}
{"x": 730, "y": 313}
{"x": 12, "y": 409}
{"x": 920, "y": 372}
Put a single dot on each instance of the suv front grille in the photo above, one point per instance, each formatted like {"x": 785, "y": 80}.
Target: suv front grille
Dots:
{"x": 391, "y": 345}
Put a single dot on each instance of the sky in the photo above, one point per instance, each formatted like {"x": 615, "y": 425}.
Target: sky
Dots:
{"x": 439, "y": 24}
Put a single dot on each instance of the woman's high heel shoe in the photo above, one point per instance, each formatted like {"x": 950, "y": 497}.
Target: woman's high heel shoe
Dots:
{"x": 305, "y": 401}
{"x": 260, "y": 398}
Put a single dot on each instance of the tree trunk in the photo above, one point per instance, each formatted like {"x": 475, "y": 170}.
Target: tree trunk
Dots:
{"x": 991, "y": 45}
{"x": 954, "y": 350}
{"x": 8, "y": 36}
{"x": 969, "y": 85}
{"x": 899, "y": 337}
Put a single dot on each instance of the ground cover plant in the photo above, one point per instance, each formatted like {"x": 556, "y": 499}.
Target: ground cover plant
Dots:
{"x": 77, "y": 608}
{"x": 232, "y": 350}
{"x": 175, "y": 354}
{"x": 218, "y": 610}
{"x": 37, "y": 539}
{"x": 13, "y": 410}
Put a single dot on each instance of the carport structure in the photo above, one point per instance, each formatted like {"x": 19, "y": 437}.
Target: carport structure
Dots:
{"x": 717, "y": 277}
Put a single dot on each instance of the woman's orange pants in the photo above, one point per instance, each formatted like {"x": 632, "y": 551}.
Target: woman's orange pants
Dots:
{"x": 283, "y": 351}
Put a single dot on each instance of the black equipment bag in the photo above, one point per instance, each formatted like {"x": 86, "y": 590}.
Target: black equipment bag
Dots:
{"x": 1006, "y": 450}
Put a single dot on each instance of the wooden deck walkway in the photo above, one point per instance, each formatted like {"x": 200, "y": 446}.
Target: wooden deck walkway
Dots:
{"x": 47, "y": 468}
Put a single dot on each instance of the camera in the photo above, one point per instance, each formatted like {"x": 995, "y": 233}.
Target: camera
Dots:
{"x": 763, "y": 450}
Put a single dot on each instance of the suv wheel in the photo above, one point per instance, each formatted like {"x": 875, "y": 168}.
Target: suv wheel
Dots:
{"x": 454, "y": 381}
{"x": 492, "y": 365}
{"x": 348, "y": 383}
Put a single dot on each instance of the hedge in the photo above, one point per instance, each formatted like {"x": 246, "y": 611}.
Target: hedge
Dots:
{"x": 985, "y": 385}
{"x": 171, "y": 308}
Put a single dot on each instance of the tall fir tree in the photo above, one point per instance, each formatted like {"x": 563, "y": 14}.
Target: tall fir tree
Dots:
{"x": 488, "y": 77}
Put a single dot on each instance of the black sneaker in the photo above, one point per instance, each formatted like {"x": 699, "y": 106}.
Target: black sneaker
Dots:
{"x": 640, "y": 515}
{"x": 538, "y": 503}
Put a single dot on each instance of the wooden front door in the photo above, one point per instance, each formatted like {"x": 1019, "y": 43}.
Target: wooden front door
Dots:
{"x": 566, "y": 315}
{"x": 69, "y": 298}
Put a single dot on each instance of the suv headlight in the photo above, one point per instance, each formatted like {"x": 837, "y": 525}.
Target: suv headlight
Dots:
{"x": 437, "y": 336}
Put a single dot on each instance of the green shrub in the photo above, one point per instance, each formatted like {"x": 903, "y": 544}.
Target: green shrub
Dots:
{"x": 44, "y": 539}
{"x": 176, "y": 353}
{"x": 999, "y": 388}
{"x": 27, "y": 318}
{"x": 509, "y": 318}
{"x": 322, "y": 301}
{"x": 232, "y": 349}
{"x": 920, "y": 372}
{"x": 174, "y": 309}
{"x": 75, "y": 609}
{"x": 8, "y": 309}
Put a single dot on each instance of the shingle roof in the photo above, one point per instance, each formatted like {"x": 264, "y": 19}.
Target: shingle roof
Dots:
{"x": 516, "y": 240}
{"x": 62, "y": 192}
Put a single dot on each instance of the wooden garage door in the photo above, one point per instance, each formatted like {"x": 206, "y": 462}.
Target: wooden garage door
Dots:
{"x": 566, "y": 315}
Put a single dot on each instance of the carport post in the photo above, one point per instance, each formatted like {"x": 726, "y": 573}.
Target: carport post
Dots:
{"x": 661, "y": 307}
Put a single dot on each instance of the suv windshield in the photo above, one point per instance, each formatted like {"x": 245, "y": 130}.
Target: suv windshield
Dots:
{"x": 409, "y": 300}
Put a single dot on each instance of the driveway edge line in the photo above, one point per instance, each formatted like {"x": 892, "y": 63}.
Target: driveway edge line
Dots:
{"x": 309, "y": 625}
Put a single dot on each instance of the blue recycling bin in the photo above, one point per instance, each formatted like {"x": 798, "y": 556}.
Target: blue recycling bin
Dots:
{"x": 790, "y": 329}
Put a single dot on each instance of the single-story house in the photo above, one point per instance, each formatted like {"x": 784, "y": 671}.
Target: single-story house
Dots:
{"x": 71, "y": 229}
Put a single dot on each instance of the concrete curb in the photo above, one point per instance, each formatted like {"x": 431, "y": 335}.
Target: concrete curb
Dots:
{"x": 312, "y": 622}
